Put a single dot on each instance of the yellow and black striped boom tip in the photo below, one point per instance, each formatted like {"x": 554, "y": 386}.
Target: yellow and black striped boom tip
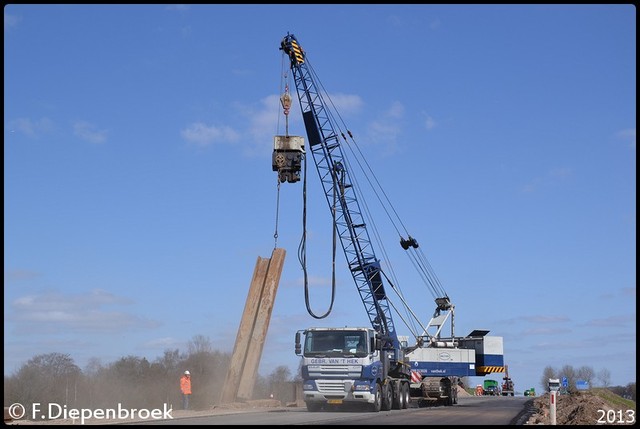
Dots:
{"x": 297, "y": 52}
{"x": 481, "y": 370}
{"x": 292, "y": 48}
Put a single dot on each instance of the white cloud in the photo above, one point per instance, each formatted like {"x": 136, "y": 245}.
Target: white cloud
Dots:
{"x": 33, "y": 129}
{"x": 267, "y": 118}
{"x": 10, "y": 22}
{"x": 205, "y": 135}
{"x": 552, "y": 177}
{"x": 561, "y": 172}
{"x": 395, "y": 21}
{"x": 628, "y": 135}
{"x": 545, "y": 319}
{"x": 346, "y": 104}
{"x": 616, "y": 321}
{"x": 551, "y": 330}
{"x": 18, "y": 275}
{"x": 162, "y": 343}
{"x": 396, "y": 110}
{"x": 87, "y": 132}
{"x": 429, "y": 122}
{"x": 63, "y": 313}
{"x": 385, "y": 130}
{"x": 264, "y": 120}
{"x": 312, "y": 281}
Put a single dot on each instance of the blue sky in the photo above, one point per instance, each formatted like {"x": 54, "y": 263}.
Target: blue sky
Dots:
{"x": 139, "y": 192}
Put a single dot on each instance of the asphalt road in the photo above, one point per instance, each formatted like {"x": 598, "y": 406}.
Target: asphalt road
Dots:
{"x": 492, "y": 410}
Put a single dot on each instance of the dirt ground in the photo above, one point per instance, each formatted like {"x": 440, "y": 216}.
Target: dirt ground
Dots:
{"x": 575, "y": 409}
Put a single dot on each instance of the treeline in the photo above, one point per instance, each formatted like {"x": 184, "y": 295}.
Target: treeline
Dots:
{"x": 586, "y": 373}
{"x": 131, "y": 381}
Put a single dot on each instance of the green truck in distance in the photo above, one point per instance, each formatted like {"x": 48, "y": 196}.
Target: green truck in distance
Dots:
{"x": 491, "y": 388}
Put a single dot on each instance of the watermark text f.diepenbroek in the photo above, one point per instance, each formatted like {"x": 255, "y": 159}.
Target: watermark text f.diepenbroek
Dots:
{"x": 53, "y": 411}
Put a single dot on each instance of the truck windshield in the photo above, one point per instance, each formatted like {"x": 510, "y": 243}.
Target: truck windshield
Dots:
{"x": 336, "y": 343}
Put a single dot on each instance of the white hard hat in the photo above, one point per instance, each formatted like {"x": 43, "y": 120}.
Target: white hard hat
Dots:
{"x": 187, "y": 373}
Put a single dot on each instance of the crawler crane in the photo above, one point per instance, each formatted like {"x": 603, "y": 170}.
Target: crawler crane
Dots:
{"x": 372, "y": 365}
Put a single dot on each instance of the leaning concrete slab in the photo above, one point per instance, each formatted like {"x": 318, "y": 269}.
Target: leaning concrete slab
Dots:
{"x": 245, "y": 359}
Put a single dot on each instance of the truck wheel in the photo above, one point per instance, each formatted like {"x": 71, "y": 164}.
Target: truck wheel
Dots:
{"x": 449, "y": 392}
{"x": 377, "y": 403}
{"x": 387, "y": 397}
{"x": 398, "y": 397}
{"x": 404, "y": 391}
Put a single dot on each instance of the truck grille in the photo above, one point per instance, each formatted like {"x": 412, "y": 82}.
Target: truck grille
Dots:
{"x": 330, "y": 386}
{"x": 335, "y": 371}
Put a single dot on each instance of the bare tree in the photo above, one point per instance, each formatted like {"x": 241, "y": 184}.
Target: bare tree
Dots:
{"x": 170, "y": 360}
{"x": 548, "y": 373}
{"x": 93, "y": 366}
{"x": 89, "y": 388}
{"x": 131, "y": 381}
{"x": 570, "y": 373}
{"x": 208, "y": 371}
{"x": 604, "y": 376}
{"x": 279, "y": 383}
{"x": 631, "y": 391}
{"x": 46, "y": 379}
{"x": 298, "y": 375}
{"x": 199, "y": 344}
{"x": 585, "y": 373}
{"x": 260, "y": 388}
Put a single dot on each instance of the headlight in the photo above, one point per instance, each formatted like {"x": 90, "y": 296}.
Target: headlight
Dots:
{"x": 309, "y": 386}
{"x": 362, "y": 386}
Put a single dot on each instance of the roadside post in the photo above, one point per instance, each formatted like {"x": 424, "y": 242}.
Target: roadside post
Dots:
{"x": 554, "y": 386}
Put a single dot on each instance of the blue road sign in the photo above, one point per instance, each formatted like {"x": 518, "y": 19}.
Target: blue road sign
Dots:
{"x": 582, "y": 385}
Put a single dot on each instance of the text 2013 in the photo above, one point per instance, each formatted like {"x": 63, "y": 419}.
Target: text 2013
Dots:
{"x": 616, "y": 416}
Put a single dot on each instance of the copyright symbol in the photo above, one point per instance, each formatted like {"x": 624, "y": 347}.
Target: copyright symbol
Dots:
{"x": 16, "y": 411}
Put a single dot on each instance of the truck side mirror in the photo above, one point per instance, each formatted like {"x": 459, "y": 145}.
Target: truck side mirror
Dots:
{"x": 377, "y": 343}
{"x": 298, "y": 348}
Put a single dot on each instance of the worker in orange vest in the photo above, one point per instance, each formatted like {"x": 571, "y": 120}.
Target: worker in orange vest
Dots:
{"x": 185, "y": 388}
